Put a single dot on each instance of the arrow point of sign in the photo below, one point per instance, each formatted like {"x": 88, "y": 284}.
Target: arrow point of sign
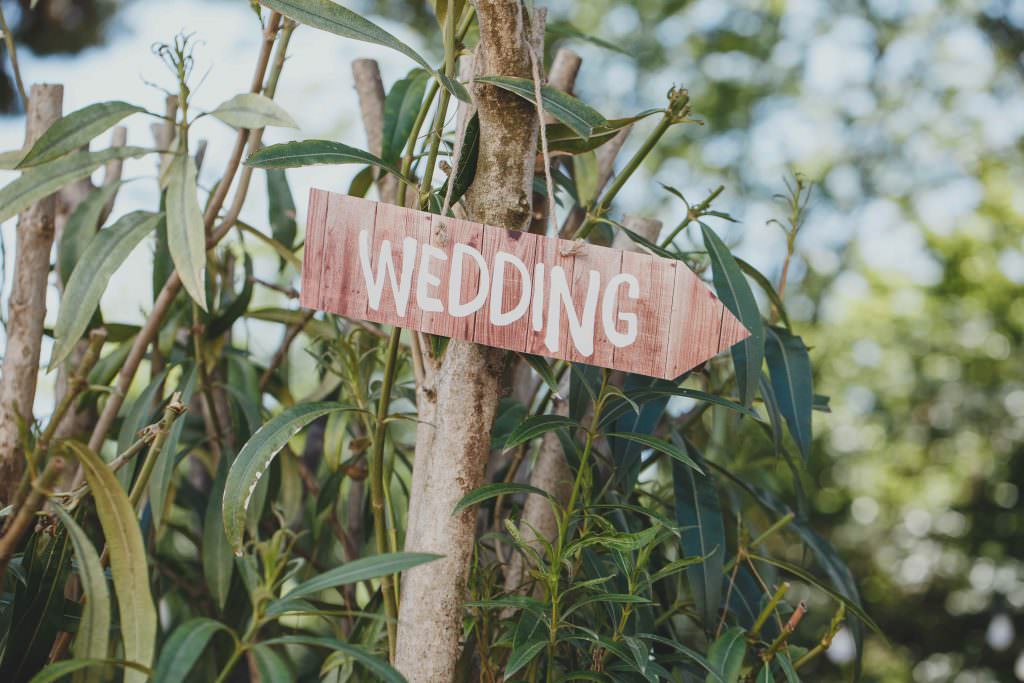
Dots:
{"x": 702, "y": 326}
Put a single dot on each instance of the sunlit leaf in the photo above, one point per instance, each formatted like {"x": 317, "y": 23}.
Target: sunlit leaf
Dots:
{"x": 127, "y": 560}
{"x": 59, "y": 670}
{"x": 105, "y": 253}
{"x": 45, "y": 179}
{"x": 186, "y": 234}
{"x": 76, "y": 129}
{"x": 252, "y": 110}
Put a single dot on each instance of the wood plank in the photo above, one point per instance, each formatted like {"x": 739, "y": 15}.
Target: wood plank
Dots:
{"x": 393, "y": 225}
{"x": 343, "y": 289}
{"x": 592, "y": 263}
{"x": 653, "y": 309}
{"x": 313, "y": 251}
{"x": 696, "y": 326}
{"x": 522, "y": 246}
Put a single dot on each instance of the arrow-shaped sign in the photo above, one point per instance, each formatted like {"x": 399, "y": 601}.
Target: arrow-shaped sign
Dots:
{"x": 509, "y": 289}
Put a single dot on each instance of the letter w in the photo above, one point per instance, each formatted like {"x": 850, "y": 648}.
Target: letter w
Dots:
{"x": 400, "y": 285}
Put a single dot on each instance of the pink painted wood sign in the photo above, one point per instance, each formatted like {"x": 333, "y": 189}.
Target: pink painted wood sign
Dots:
{"x": 513, "y": 290}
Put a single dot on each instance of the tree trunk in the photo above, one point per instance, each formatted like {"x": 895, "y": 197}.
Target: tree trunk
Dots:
{"x": 468, "y": 381}
{"x": 27, "y": 303}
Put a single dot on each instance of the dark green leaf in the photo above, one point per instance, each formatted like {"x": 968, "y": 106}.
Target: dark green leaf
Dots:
{"x": 734, "y": 291}
{"x": 314, "y": 152}
{"x": 489, "y": 491}
{"x": 81, "y": 228}
{"x": 790, "y": 368}
{"x": 580, "y": 117}
{"x": 281, "y": 208}
{"x": 699, "y": 513}
{"x": 726, "y": 655}
{"x": 181, "y": 651}
{"x": 660, "y": 445}
{"x": 767, "y": 287}
{"x": 565, "y": 140}
{"x": 76, "y": 129}
{"x": 401, "y": 107}
{"x": 523, "y": 655}
{"x": 218, "y": 564}
{"x": 466, "y": 171}
{"x": 536, "y": 426}
{"x": 541, "y": 366}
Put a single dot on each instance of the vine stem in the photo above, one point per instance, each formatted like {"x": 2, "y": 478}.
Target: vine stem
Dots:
{"x": 377, "y": 484}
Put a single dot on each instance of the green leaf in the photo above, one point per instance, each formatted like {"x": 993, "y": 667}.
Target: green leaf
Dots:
{"x": 315, "y": 152}
{"x": 252, "y": 110}
{"x": 565, "y": 30}
{"x": 790, "y": 368}
{"x": 646, "y": 395}
{"x": 466, "y": 171}
{"x": 94, "y": 627}
{"x": 767, "y": 287}
{"x": 580, "y": 117}
{"x": 401, "y": 106}
{"x": 607, "y": 598}
{"x": 765, "y": 676}
{"x": 218, "y": 564}
{"x": 179, "y": 654}
{"x": 186, "y": 234}
{"x": 127, "y": 560}
{"x": 682, "y": 649}
{"x": 489, "y": 491}
{"x": 76, "y": 129}
{"x": 522, "y": 655}
{"x": 135, "y": 414}
{"x": 734, "y": 291}
{"x": 106, "y": 252}
{"x": 540, "y": 365}
{"x": 281, "y": 209}
{"x": 563, "y": 139}
{"x": 333, "y": 18}
{"x": 42, "y": 181}
{"x": 374, "y": 664}
{"x": 699, "y": 514}
{"x": 660, "y": 445}
{"x": 256, "y": 456}
{"x": 80, "y": 229}
{"x": 537, "y": 425}
{"x": 59, "y": 670}
{"x": 726, "y": 655}
{"x": 360, "y": 570}
{"x": 10, "y": 159}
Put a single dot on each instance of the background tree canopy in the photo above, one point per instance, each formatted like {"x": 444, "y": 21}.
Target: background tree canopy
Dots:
{"x": 908, "y": 279}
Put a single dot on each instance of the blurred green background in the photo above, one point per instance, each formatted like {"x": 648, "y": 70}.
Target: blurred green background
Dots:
{"x": 909, "y": 283}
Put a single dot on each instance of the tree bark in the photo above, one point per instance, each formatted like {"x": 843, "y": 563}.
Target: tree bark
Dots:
{"x": 468, "y": 384}
{"x": 27, "y": 302}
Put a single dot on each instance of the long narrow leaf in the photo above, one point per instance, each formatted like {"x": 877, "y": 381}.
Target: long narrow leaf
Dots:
{"x": 660, "y": 445}
{"x": 360, "y": 570}
{"x": 76, "y": 129}
{"x": 538, "y": 425}
{"x": 186, "y": 235}
{"x": 94, "y": 627}
{"x": 45, "y": 179}
{"x": 254, "y": 459}
{"x": 376, "y": 665}
{"x": 489, "y": 491}
{"x": 789, "y": 365}
{"x": 734, "y": 291}
{"x": 580, "y": 117}
{"x": 127, "y": 560}
{"x": 181, "y": 651}
{"x": 104, "y": 255}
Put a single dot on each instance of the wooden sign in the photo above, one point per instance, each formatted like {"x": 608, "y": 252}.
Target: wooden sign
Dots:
{"x": 513, "y": 290}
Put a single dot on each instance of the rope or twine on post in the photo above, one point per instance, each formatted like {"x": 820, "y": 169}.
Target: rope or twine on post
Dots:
{"x": 534, "y": 64}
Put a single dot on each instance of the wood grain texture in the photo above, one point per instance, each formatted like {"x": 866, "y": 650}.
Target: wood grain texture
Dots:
{"x": 640, "y": 313}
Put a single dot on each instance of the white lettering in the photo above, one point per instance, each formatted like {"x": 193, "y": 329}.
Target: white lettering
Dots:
{"x": 581, "y": 328}
{"x": 428, "y": 279}
{"x": 457, "y": 308}
{"x": 498, "y": 318}
{"x": 608, "y": 304}
{"x": 386, "y": 269}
